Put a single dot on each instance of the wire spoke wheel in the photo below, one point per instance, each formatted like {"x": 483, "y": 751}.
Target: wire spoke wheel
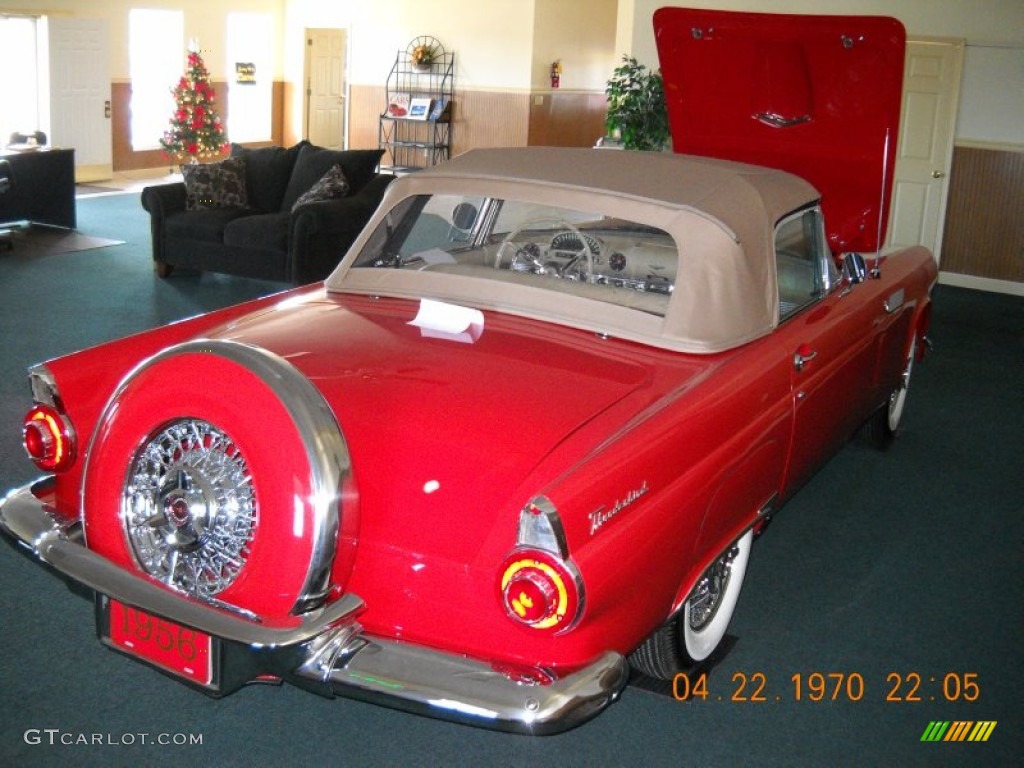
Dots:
{"x": 709, "y": 608}
{"x": 707, "y": 594}
{"x": 189, "y": 508}
{"x": 696, "y": 631}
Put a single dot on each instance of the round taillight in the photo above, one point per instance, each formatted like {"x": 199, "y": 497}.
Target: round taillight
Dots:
{"x": 539, "y": 590}
{"x": 48, "y": 438}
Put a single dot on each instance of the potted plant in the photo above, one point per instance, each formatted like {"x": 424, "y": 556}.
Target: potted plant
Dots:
{"x": 637, "y": 116}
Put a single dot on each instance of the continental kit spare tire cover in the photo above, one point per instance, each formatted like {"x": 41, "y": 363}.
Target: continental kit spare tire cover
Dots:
{"x": 217, "y": 468}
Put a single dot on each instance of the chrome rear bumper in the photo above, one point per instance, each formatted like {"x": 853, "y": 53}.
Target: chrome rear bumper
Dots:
{"x": 326, "y": 650}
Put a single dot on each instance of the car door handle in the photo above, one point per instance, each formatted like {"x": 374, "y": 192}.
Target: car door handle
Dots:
{"x": 894, "y": 302}
{"x": 803, "y": 355}
{"x": 778, "y": 121}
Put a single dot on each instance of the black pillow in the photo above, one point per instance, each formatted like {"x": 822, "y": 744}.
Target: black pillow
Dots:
{"x": 215, "y": 185}
{"x": 331, "y": 185}
{"x": 359, "y": 166}
{"x": 268, "y": 170}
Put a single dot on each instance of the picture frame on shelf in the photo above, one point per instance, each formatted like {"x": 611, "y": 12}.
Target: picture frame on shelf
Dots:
{"x": 420, "y": 108}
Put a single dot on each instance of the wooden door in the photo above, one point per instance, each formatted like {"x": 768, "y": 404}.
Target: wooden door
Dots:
{"x": 326, "y": 87}
{"x": 80, "y": 94}
{"x": 931, "y": 87}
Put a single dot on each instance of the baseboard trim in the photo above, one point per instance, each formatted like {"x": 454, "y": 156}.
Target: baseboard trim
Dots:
{"x": 981, "y": 283}
{"x": 88, "y": 173}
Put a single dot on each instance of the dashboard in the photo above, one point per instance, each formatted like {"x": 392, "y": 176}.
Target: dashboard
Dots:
{"x": 643, "y": 261}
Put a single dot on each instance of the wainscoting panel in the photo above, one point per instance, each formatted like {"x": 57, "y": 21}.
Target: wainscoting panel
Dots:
{"x": 490, "y": 119}
{"x": 481, "y": 119}
{"x": 984, "y": 235}
{"x": 495, "y": 118}
{"x": 567, "y": 119}
{"x": 365, "y": 105}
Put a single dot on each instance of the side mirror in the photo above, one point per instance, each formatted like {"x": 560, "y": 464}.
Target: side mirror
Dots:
{"x": 854, "y": 268}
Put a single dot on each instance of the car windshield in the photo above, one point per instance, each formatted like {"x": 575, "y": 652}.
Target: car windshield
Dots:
{"x": 558, "y": 249}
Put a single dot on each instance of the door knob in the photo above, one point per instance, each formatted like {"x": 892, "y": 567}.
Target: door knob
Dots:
{"x": 938, "y": 174}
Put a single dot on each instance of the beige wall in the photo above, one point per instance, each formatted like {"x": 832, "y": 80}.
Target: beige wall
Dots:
{"x": 581, "y": 35}
{"x": 503, "y": 52}
{"x": 205, "y": 20}
{"x": 493, "y": 39}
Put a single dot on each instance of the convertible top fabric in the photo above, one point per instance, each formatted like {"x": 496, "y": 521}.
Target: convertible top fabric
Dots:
{"x": 722, "y": 215}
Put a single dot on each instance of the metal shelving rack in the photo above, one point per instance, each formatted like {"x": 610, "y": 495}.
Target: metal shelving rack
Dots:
{"x": 412, "y": 144}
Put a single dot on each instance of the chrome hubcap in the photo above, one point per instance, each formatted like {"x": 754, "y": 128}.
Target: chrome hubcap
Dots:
{"x": 708, "y": 592}
{"x": 183, "y": 514}
{"x": 189, "y": 508}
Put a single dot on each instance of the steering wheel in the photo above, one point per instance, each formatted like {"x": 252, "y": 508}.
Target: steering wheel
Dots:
{"x": 545, "y": 223}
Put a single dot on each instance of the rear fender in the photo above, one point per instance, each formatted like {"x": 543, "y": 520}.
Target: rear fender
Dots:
{"x": 86, "y": 379}
{"x": 745, "y": 496}
{"x": 921, "y": 326}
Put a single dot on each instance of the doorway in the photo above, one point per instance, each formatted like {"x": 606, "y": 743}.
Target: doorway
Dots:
{"x": 931, "y": 88}
{"x": 80, "y": 99}
{"x": 325, "y": 102}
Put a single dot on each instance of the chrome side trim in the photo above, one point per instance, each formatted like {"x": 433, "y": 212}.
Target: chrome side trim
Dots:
{"x": 44, "y": 386}
{"x": 57, "y": 542}
{"x": 540, "y": 526}
{"x": 326, "y": 449}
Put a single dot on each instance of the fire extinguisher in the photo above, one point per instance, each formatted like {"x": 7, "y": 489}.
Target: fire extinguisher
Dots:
{"x": 556, "y": 73}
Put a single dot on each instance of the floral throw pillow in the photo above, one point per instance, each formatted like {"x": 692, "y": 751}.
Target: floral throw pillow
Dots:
{"x": 332, "y": 184}
{"x": 215, "y": 185}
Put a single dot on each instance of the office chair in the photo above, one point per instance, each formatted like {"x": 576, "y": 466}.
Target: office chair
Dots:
{"x": 6, "y": 185}
{"x": 24, "y": 138}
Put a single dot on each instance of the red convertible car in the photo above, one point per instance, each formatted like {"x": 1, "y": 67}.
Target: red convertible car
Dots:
{"x": 526, "y": 432}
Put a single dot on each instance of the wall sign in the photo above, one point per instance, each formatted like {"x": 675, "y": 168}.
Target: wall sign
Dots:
{"x": 245, "y": 73}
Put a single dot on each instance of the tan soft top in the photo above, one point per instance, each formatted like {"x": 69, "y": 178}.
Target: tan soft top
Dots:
{"x": 721, "y": 214}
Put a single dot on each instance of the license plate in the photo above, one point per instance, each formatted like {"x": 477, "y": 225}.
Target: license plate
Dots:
{"x": 185, "y": 652}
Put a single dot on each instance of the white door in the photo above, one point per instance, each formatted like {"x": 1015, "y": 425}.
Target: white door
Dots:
{"x": 931, "y": 87}
{"x": 80, "y": 94}
{"x": 325, "y": 87}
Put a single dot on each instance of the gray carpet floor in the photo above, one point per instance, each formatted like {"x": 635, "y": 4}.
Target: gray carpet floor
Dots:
{"x": 896, "y": 567}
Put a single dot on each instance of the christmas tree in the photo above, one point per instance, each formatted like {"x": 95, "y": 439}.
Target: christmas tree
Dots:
{"x": 195, "y": 129}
